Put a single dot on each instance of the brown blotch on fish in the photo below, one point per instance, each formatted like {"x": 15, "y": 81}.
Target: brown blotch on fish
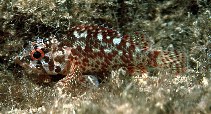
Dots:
{"x": 58, "y": 69}
{"x": 65, "y": 43}
{"x": 51, "y": 65}
{"x": 60, "y": 59}
{"x": 46, "y": 59}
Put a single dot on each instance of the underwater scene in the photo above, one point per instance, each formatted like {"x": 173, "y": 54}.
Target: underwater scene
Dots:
{"x": 105, "y": 56}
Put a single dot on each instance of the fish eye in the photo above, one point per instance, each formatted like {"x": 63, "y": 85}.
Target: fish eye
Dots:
{"x": 37, "y": 54}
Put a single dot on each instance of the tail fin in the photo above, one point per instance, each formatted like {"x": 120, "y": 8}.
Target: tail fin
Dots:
{"x": 173, "y": 60}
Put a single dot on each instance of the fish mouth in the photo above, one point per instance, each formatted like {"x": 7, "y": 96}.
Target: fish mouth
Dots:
{"x": 19, "y": 60}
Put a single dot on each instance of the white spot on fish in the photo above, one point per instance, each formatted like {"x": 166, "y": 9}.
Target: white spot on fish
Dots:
{"x": 39, "y": 40}
{"x": 107, "y": 50}
{"x": 94, "y": 30}
{"x": 58, "y": 53}
{"x": 48, "y": 42}
{"x": 100, "y": 36}
{"x": 83, "y": 29}
{"x": 83, "y": 47}
{"x": 108, "y": 37}
{"x": 103, "y": 44}
{"x": 75, "y": 33}
{"x": 96, "y": 50}
{"x": 45, "y": 65}
{"x": 116, "y": 41}
{"x": 120, "y": 53}
{"x": 78, "y": 28}
{"x": 32, "y": 64}
{"x": 99, "y": 31}
{"x": 54, "y": 40}
{"x": 137, "y": 49}
{"x": 80, "y": 35}
{"x": 127, "y": 44}
{"x": 39, "y": 43}
{"x": 57, "y": 64}
{"x": 84, "y": 34}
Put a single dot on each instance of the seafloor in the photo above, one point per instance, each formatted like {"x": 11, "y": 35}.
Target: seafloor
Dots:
{"x": 185, "y": 24}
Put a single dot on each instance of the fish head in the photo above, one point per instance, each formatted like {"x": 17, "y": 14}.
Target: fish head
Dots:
{"x": 43, "y": 56}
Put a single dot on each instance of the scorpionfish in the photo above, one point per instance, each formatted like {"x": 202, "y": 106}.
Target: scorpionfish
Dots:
{"x": 94, "y": 50}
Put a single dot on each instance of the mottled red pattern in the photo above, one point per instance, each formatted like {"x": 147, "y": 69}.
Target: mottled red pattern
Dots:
{"x": 98, "y": 50}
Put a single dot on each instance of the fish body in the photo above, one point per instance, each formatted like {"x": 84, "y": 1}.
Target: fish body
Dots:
{"x": 94, "y": 50}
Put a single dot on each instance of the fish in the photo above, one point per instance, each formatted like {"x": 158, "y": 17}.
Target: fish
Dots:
{"x": 94, "y": 51}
